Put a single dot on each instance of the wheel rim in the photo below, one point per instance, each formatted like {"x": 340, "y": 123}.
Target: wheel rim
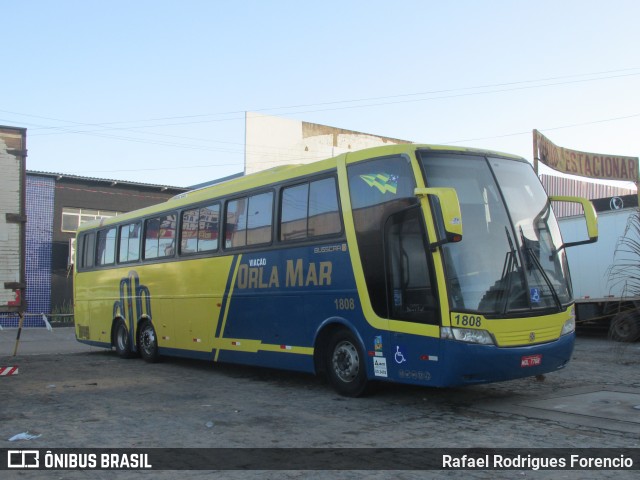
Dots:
{"x": 148, "y": 340}
{"x": 346, "y": 361}
{"x": 622, "y": 328}
{"x": 122, "y": 337}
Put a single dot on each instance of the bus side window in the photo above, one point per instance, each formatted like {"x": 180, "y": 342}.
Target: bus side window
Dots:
{"x": 129, "y": 243}
{"x": 208, "y": 228}
{"x": 106, "y": 247}
{"x": 249, "y": 220}
{"x": 236, "y": 226}
{"x": 199, "y": 232}
{"x": 293, "y": 218}
{"x": 189, "y": 231}
{"x": 310, "y": 210}
{"x": 87, "y": 250}
{"x": 160, "y": 236}
{"x": 324, "y": 213}
{"x": 260, "y": 219}
{"x": 151, "y": 234}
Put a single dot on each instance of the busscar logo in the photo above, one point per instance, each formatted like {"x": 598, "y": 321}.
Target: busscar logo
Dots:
{"x": 23, "y": 459}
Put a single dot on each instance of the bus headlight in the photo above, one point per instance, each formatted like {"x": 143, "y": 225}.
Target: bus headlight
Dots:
{"x": 468, "y": 335}
{"x": 569, "y": 326}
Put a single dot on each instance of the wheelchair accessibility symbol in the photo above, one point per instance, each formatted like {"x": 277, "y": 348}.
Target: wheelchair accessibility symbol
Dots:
{"x": 399, "y": 356}
{"x": 535, "y": 295}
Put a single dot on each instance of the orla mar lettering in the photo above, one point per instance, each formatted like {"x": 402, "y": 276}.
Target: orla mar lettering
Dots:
{"x": 297, "y": 273}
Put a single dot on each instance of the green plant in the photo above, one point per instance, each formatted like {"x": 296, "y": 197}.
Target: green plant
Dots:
{"x": 63, "y": 313}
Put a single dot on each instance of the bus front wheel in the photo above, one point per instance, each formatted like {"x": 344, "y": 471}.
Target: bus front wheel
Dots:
{"x": 122, "y": 340}
{"x": 148, "y": 342}
{"x": 345, "y": 365}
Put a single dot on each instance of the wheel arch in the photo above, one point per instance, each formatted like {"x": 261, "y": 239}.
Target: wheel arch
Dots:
{"x": 324, "y": 333}
{"x": 133, "y": 336}
{"x": 114, "y": 323}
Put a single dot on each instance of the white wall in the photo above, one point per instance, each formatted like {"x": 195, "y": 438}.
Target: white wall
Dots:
{"x": 10, "y": 171}
{"x": 272, "y": 141}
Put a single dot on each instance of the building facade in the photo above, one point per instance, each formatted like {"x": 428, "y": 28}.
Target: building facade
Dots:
{"x": 55, "y": 205}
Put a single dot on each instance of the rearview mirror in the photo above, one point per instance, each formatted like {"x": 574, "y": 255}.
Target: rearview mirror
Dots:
{"x": 590, "y": 216}
{"x": 445, "y": 209}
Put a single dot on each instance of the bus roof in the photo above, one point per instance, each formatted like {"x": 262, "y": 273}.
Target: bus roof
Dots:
{"x": 281, "y": 173}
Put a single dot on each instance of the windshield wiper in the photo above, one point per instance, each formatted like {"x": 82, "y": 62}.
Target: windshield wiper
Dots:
{"x": 508, "y": 267}
{"x": 532, "y": 261}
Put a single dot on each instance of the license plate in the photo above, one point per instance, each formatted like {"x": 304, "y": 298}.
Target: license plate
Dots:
{"x": 531, "y": 361}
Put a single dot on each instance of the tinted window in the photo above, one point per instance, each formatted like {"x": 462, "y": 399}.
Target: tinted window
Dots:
{"x": 200, "y": 229}
{"x": 379, "y": 188}
{"x": 324, "y": 217}
{"x": 106, "y": 247}
{"x": 159, "y": 236}
{"x": 294, "y": 212}
{"x": 87, "y": 250}
{"x": 249, "y": 220}
{"x": 260, "y": 218}
{"x": 380, "y": 181}
{"x": 310, "y": 210}
{"x": 236, "y": 228}
{"x": 129, "y": 243}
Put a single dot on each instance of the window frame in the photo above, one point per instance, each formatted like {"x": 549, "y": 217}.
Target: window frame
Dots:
{"x": 119, "y": 242}
{"x": 246, "y": 196}
{"x": 310, "y": 238}
{"x": 98, "y": 215}
{"x": 97, "y": 262}
{"x": 274, "y": 190}
{"x": 198, "y": 207}
{"x": 159, "y": 217}
{"x": 87, "y": 239}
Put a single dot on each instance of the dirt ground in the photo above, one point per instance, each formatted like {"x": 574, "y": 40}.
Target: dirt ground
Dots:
{"x": 88, "y": 397}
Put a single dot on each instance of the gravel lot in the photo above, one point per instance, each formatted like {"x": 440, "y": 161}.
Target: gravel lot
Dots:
{"x": 88, "y": 397}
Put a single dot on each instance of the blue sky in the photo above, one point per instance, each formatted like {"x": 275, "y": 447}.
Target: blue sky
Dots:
{"x": 154, "y": 91}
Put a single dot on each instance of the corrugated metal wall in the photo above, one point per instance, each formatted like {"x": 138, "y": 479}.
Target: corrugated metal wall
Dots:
{"x": 579, "y": 188}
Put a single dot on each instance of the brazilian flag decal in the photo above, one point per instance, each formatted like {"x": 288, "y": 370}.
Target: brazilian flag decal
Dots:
{"x": 382, "y": 181}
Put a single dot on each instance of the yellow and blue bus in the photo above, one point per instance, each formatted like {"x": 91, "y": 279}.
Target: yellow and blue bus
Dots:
{"x": 427, "y": 265}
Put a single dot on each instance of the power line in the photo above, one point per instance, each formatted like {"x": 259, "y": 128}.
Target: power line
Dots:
{"x": 64, "y": 129}
{"x": 528, "y": 132}
{"x": 408, "y": 98}
{"x": 98, "y": 133}
{"x": 294, "y": 157}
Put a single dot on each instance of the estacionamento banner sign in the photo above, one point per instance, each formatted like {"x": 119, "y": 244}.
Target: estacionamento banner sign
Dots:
{"x": 585, "y": 164}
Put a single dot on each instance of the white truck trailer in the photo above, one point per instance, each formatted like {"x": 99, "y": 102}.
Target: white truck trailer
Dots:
{"x": 602, "y": 273}
{"x": 12, "y": 219}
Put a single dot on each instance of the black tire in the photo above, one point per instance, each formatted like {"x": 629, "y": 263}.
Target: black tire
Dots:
{"x": 345, "y": 364}
{"x": 625, "y": 326}
{"x": 148, "y": 342}
{"x": 122, "y": 340}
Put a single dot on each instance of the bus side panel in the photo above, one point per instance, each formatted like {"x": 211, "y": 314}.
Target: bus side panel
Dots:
{"x": 93, "y": 305}
{"x": 182, "y": 299}
{"x": 185, "y": 302}
{"x": 279, "y": 300}
{"x": 414, "y": 359}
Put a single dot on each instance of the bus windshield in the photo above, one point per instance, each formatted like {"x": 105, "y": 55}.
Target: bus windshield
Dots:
{"x": 510, "y": 259}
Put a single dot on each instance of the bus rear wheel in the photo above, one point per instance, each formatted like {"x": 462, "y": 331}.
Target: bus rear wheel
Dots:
{"x": 148, "y": 342}
{"x": 122, "y": 340}
{"x": 345, "y": 365}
